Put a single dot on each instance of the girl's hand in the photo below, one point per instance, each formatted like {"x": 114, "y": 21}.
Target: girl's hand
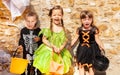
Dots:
{"x": 58, "y": 50}
{"x": 102, "y": 51}
{"x": 36, "y": 39}
{"x": 70, "y": 47}
{"x": 55, "y": 49}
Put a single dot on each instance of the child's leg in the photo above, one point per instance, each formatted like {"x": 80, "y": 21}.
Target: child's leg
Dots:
{"x": 76, "y": 69}
{"x": 91, "y": 72}
{"x": 81, "y": 69}
{"x": 87, "y": 73}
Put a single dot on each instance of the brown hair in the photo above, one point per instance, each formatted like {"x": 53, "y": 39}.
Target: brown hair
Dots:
{"x": 51, "y": 11}
{"x": 86, "y": 13}
{"x": 32, "y": 14}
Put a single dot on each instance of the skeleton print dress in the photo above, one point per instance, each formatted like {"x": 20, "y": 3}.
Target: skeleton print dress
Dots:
{"x": 29, "y": 46}
{"x": 27, "y": 41}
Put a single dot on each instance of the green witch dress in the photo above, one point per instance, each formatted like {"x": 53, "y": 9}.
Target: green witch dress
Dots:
{"x": 43, "y": 55}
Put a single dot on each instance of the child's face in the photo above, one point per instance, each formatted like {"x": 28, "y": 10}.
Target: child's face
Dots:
{"x": 56, "y": 16}
{"x": 30, "y": 22}
{"x": 87, "y": 22}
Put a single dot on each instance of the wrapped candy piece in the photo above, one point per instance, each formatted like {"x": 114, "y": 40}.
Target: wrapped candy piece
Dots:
{"x": 16, "y": 7}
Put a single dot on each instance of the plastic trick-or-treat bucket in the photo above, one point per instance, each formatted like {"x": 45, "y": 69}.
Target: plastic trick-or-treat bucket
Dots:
{"x": 18, "y": 65}
{"x": 101, "y": 63}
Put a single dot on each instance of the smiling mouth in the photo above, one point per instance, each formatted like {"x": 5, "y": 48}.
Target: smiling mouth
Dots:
{"x": 56, "y": 19}
{"x": 86, "y": 24}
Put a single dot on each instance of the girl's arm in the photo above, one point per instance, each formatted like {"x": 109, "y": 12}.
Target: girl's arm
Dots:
{"x": 64, "y": 44}
{"x": 72, "y": 43}
{"x": 75, "y": 38}
{"x": 99, "y": 41}
{"x": 46, "y": 42}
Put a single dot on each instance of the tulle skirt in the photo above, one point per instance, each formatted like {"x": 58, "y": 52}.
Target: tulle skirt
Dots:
{"x": 44, "y": 55}
{"x": 87, "y": 54}
{"x": 92, "y": 55}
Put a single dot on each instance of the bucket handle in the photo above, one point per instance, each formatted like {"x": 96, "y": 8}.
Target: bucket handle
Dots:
{"x": 14, "y": 53}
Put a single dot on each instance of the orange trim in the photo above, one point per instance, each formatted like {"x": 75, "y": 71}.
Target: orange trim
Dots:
{"x": 84, "y": 35}
{"x": 89, "y": 66}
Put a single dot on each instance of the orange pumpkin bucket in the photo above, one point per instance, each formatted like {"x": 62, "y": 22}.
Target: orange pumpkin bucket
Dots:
{"x": 18, "y": 65}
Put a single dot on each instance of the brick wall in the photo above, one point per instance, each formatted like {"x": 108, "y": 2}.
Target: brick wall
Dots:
{"x": 107, "y": 18}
